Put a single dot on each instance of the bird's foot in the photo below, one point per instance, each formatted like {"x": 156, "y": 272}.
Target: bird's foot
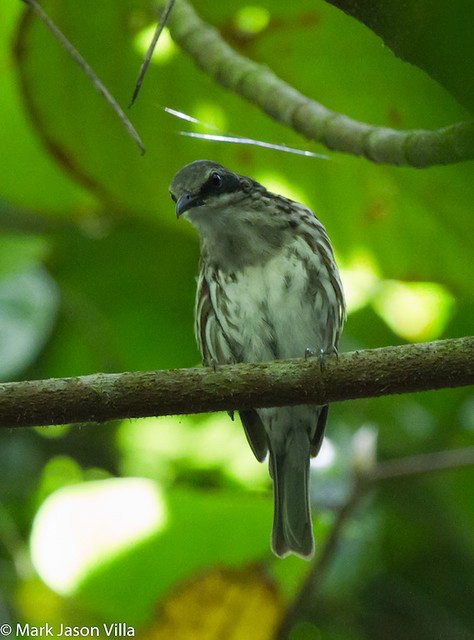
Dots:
{"x": 210, "y": 362}
{"x": 332, "y": 351}
{"x": 231, "y": 414}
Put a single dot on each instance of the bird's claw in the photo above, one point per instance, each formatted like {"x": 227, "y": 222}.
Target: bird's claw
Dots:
{"x": 308, "y": 352}
{"x": 321, "y": 358}
{"x": 332, "y": 351}
{"x": 210, "y": 362}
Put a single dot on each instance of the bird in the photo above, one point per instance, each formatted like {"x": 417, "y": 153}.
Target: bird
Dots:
{"x": 268, "y": 288}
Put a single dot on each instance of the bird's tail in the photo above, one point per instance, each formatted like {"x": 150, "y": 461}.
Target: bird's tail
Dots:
{"x": 292, "y": 527}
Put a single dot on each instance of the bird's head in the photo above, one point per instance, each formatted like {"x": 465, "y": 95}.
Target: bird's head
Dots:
{"x": 238, "y": 221}
{"x": 204, "y": 185}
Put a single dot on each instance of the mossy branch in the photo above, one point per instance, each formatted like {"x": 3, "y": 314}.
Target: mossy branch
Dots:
{"x": 359, "y": 374}
{"x": 260, "y": 86}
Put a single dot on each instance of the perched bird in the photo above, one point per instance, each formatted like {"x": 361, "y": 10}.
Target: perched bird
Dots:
{"x": 268, "y": 288}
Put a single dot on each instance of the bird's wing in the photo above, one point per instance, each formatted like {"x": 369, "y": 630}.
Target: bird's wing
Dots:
{"x": 215, "y": 348}
{"x": 317, "y": 439}
{"x": 211, "y": 339}
{"x": 330, "y": 280}
{"x": 255, "y": 432}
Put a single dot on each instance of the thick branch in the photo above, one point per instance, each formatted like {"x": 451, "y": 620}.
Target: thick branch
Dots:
{"x": 259, "y": 85}
{"x": 359, "y": 374}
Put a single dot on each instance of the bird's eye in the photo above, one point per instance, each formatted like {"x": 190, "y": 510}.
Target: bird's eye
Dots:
{"x": 216, "y": 179}
{"x": 173, "y": 197}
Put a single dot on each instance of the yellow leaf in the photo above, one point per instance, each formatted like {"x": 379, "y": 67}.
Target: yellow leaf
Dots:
{"x": 235, "y": 604}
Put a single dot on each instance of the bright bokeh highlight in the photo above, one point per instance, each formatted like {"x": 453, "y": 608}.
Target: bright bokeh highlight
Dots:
{"x": 210, "y": 115}
{"x": 78, "y": 527}
{"x": 414, "y": 310}
{"x": 155, "y": 447}
{"x": 364, "y": 449}
{"x": 277, "y": 183}
{"x": 326, "y": 457}
{"x": 165, "y": 47}
{"x": 360, "y": 278}
{"x": 252, "y": 19}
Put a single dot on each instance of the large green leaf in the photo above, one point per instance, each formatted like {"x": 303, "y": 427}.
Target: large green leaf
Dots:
{"x": 202, "y": 529}
{"x": 127, "y": 301}
{"x": 29, "y": 175}
{"x": 433, "y": 34}
{"x": 28, "y": 307}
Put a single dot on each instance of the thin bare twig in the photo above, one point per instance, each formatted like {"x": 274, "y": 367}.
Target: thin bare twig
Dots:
{"x": 216, "y": 137}
{"x": 390, "y": 469}
{"x": 97, "y": 83}
{"x": 151, "y": 48}
{"x": 228, "y": 137}
{"x": 424, "y": 463}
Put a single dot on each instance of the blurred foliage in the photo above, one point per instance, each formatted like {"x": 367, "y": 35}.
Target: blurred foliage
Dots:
{"x": 236, "y": 604}
{"x": 433, "y": 34}
{"x": 97, "y": 275}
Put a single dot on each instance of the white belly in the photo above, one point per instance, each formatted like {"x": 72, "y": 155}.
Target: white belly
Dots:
{"x": 273, "y": 311}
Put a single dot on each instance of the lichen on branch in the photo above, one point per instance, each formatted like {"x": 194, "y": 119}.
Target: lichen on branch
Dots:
{"x": 359, "y": 374}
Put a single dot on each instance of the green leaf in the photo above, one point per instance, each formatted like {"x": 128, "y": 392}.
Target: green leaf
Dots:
{"x": 127, "y": 300}
{"x": 28, "y": 307}
{"x": 203, "y": 529}
{"x": 433, "y": 34}
{"x": 20, "y": 251}
{"x": 29, "y": 176}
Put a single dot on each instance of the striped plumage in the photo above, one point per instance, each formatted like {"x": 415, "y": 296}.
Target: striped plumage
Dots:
{"x": 268, "y": 288}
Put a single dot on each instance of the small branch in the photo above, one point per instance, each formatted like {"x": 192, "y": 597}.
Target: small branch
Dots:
{"x": 143, "y": 69}
{"x": 390, "y": 469}
{"x": 260, "y": 86}
{"x": 79, "y": 60}
{"x": 425, "y": 463}
{"x": 360, "y": 374}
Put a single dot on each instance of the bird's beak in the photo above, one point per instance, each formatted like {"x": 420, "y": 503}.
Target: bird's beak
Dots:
{"x": 187, "y": 201}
